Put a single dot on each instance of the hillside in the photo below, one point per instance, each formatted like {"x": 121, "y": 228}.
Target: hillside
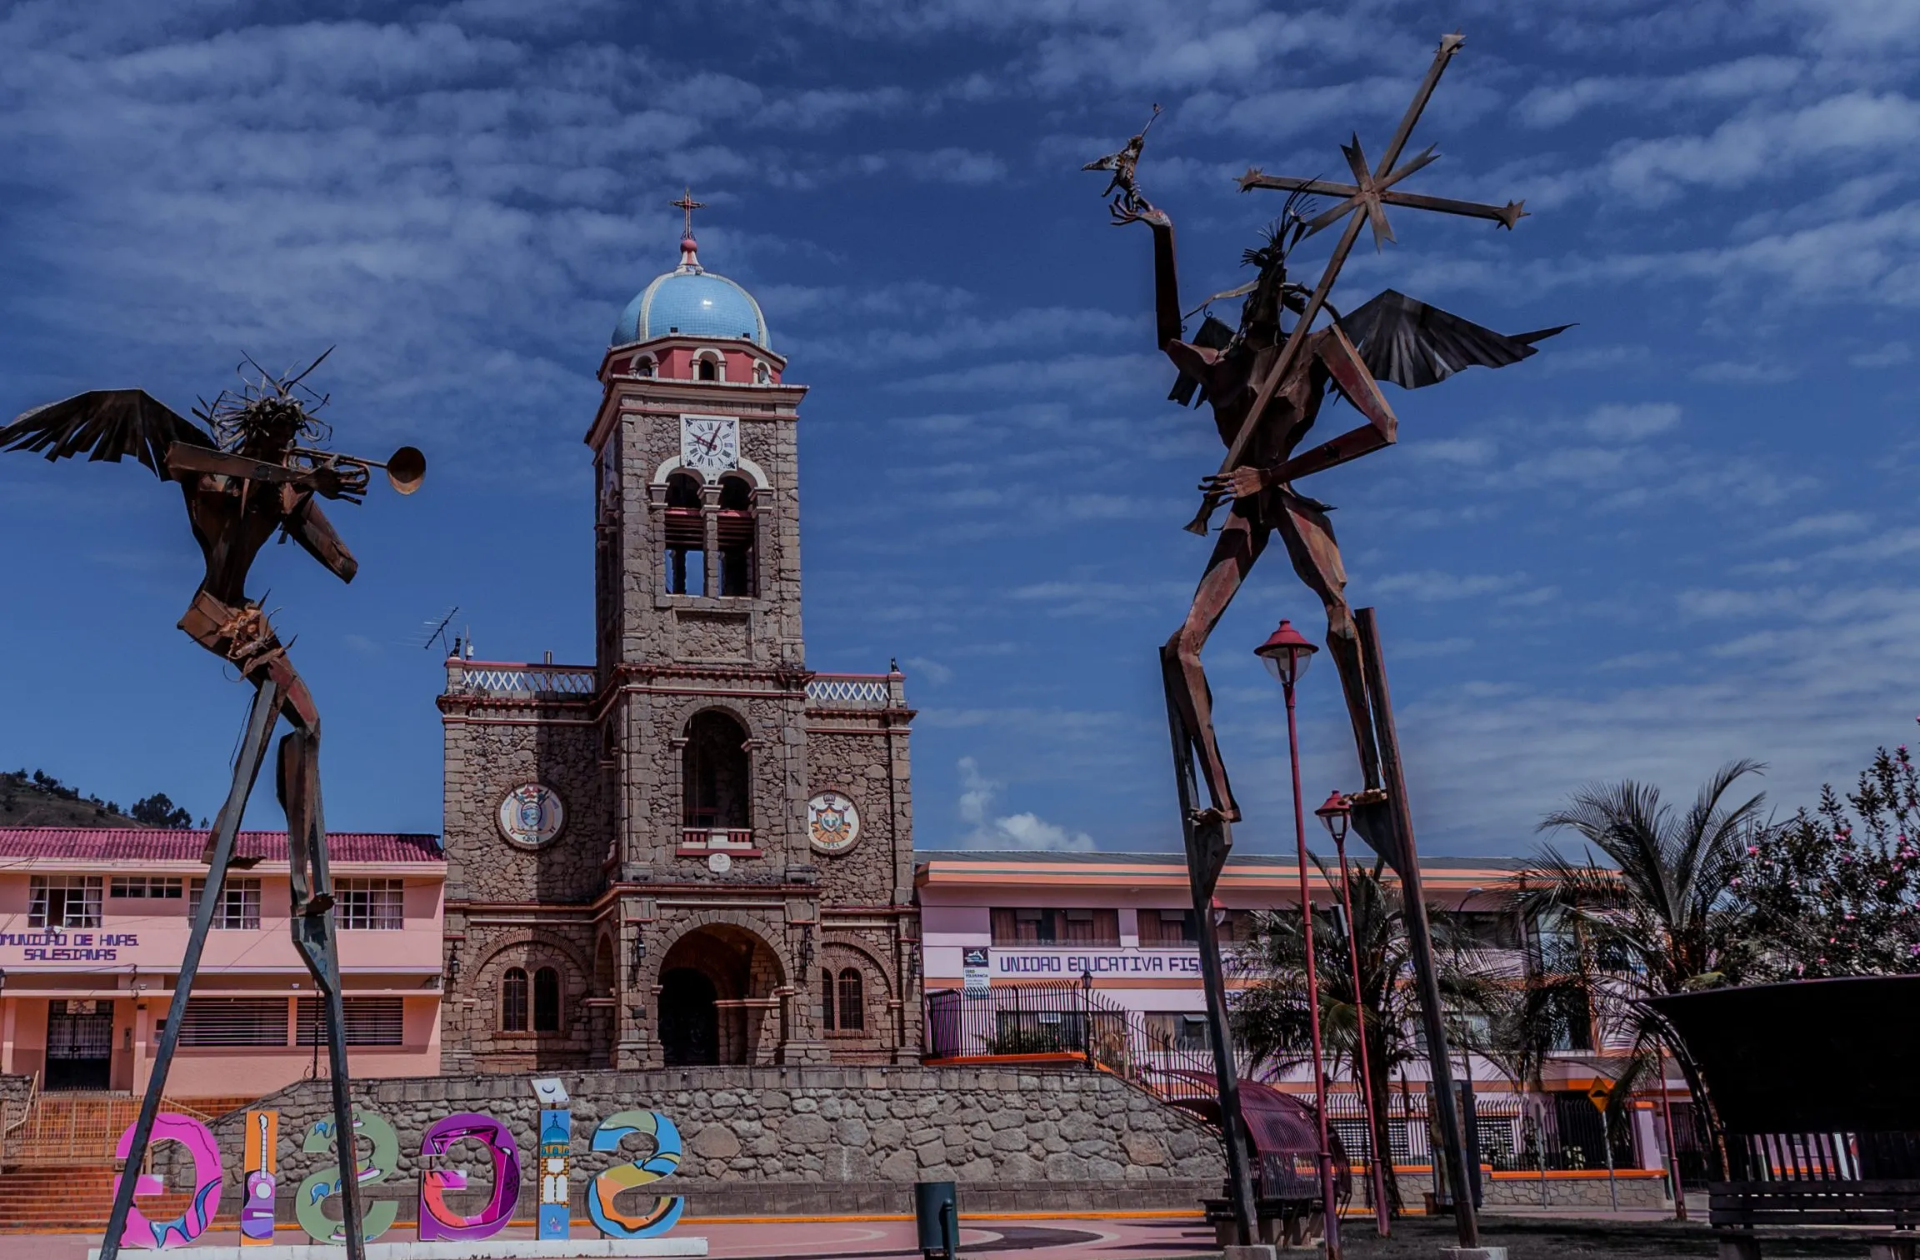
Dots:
{"x": 37, "y": 799}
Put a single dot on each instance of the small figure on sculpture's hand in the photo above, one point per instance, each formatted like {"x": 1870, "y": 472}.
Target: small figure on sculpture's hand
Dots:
{"x": 1266, "y": 378}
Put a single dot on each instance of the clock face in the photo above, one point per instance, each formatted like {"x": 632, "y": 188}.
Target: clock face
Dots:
{"x": 710, "y": 444}
{"x": 833, "y": 822}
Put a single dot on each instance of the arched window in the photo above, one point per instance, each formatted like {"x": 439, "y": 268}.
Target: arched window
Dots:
{"x": 706, "y": 370}
{"x": 736, "y": 536}
{"x": 643, "y": 365}
{"x": 685, "y": 537}
{"x": 715, "y": 775}
{"x": 513, "y": 1001}
{"x": 853, "y": 1006}
{"x": 826, "y": 1001}
{"x": 546, "y": 1000}
{"x": 760, "y": 374}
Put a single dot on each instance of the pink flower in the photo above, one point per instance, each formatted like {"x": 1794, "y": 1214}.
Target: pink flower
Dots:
{"x": 1753, "y": 850}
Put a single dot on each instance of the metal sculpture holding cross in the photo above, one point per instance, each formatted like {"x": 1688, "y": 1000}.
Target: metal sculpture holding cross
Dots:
{"x": 1266, "y": 385}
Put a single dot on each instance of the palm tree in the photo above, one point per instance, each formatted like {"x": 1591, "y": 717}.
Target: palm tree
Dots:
{"x": 1661, "y": 918}
{"x": 1269, "y": 1016}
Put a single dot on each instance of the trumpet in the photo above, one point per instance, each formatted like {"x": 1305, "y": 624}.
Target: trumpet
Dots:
{"x": 406, "y": 468}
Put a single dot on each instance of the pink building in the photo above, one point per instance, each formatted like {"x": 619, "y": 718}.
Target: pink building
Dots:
{"x": 93, "y": 924}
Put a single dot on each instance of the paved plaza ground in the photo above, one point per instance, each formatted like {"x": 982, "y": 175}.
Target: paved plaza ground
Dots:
{"x": 1534, "y": 1235}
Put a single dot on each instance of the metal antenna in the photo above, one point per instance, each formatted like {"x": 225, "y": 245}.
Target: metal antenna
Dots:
{"x": 438, "y": 631}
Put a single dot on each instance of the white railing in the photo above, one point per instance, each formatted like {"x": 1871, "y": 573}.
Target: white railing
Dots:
{"x": 494, "y": 678}
{"x": 851, "y": 691}
{"x": 710, "y": 839}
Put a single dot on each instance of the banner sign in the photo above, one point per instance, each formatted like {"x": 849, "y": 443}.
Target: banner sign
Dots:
{"x": 1069, "y": 964}
{"x": 976, "y": 978}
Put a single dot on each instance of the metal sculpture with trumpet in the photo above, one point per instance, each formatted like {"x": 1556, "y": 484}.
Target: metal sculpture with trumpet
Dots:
{"x": 245, "y": 478}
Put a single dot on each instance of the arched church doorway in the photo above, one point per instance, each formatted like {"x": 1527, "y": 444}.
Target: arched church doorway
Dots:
{"x": 689, "y": 1018}
{"x": 717, "y": 1002}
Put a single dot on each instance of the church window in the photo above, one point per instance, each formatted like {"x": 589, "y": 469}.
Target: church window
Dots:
{"x": 826, "y": 1000}
{"x": 706, "y": 370}
{"x": 643, "y": 365}
{"x": 853, "y": 1007}
{"x": 736, "y": 536}
{"x": 546, "y": 1000}
{"x": 686, "y": 537}
{"x": 513, "y": 1000}
{"x": 760, "y": 374}
{"x": 715, "y": 773}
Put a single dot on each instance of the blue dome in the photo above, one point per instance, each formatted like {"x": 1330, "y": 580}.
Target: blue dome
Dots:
{"x": 691, "y": 302}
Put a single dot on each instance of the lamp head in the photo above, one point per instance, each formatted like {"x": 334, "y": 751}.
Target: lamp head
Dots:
{"x": 1286, "y": 654}
{"x": 1335, "y": 814}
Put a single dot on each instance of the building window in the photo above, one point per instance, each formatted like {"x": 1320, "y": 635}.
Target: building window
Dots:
{"x": 826, "y": 1001}
{"x": 853, "y": 1006}
{"x": 513, "y": 1000}
{"x": 1168, "y": 927}
{"x": 239, "y": 907}
{"x": 150, "y": 887}
{"x": 685, "y": 537}
{"x": 234, "y": 1022}
{"x": 761, "y": 375}
{"x": 706, "y": 370}
{"x": 1030, "y": 925}
{"x": 546, "y": 1000}
{"x": 1179, "y": 1030}
{"x": 736, "y": 536}
{"x": 371, "y": 1021}
{"x": 643, "y": 365}
{"x": 375, "y": 905}
{"x": 716, "y": 783}
{"x": 64, "y": 901}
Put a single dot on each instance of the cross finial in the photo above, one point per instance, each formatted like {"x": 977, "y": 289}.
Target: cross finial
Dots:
{"x": 689, "y": 251}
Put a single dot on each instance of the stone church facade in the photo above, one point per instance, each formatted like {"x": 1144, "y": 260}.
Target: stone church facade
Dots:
{"x": 695, "y": 850}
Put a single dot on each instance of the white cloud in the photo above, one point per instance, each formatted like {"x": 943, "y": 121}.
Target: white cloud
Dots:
{"x": 1892, "y": 354}
{"x": 1008, "y": 831}
{"x": 1629, "y": 422}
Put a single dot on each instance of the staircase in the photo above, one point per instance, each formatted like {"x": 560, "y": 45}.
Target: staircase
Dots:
{"x": 60, "y": 1165}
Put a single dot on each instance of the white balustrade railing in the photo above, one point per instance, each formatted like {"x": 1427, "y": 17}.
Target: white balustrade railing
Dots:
{"x": 850, "y": 691}
{"x": 497, "y": 679}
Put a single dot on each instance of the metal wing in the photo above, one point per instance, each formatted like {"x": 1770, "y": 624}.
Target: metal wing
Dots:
{"x": 1214, "y": 335}
{"x": 108, "y": 423}
{"x": 1413, "y": 344}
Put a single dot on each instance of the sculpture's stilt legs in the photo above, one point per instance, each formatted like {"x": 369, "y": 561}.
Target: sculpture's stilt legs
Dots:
{"x": 1241, "y": 541}
{"x": 313, "y": 936}
{"x": 1207, "y": 846}
{"x": 253, "y": 749}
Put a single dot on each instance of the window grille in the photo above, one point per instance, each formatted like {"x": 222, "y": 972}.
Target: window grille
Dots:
{"x": 546, "y": 1000}
{"x": 239, "y": 908}
{"x": 64, "y": 901}
{"x": 853, "y": 1006}
{"x": 513, "y": 1001}
{"x": 370, "y": 904}
{"x": 371, "y": 1021}
{"x": 149, "y": 887}
{"x": 1033, "y": 925}
{"x": 234, "y": 1022}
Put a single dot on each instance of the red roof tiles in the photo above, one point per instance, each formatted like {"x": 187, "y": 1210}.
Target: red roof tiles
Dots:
{"x": 154, "y": 844}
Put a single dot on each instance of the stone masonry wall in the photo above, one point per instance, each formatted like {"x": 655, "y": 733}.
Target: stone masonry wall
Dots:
{"x": 809, "y": 1138}
{"x": 1636, "y": 1190}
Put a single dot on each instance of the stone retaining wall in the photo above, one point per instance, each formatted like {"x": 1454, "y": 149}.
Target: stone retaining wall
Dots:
{"x": 806, "y": 1139}
{"x": 1635, "y": 1187}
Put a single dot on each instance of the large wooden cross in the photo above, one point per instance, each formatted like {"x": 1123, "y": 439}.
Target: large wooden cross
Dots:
{"x": 1362, "y": 201}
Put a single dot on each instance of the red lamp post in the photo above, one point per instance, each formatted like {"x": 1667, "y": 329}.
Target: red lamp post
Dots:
{"x": 1335, "y": 815}
{"x": 1286, "y": 655}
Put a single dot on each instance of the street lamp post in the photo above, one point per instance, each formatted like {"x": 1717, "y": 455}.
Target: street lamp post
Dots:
{"x": 1086, "y": 1016}
{"x": 1335, "y": 815}
{"x": 1286, "y": 655}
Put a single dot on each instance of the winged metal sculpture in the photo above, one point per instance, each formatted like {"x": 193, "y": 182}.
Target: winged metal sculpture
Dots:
{"x": 244, "y": 481}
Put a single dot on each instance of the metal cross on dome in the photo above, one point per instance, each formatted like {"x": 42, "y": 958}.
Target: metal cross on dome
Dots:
{"x": 686, "y": 202}
{"x": 1362, "y": 201}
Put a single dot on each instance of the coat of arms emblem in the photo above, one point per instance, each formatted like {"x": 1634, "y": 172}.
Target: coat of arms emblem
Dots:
{"x": 833, "y": 822}
{"x": 531, "y": 815}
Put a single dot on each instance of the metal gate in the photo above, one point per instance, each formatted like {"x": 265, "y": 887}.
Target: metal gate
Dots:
{"x": 79, "y": 1045}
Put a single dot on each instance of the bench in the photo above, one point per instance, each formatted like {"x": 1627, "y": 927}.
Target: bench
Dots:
{"x": 1876, "y": 1213}
{"x": 1288, "y": 1222}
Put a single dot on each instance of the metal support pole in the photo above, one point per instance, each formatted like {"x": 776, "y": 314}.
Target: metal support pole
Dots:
{"x": 1329, "y": 1205}
{"x": 1382, "y": 1221}
{"x": 1405, "y": 858}
{"x": 1606, "y": 1140}
{"x": 1206, "y": 854}
{"x": 1673, "y": 1149}
{"x": 246, "y": 768}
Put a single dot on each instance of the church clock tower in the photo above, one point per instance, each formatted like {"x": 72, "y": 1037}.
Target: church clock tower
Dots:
{"x": 752, "y": 820}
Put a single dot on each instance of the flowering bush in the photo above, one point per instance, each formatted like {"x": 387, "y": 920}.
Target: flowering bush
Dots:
{"x": 1836, "y": 891}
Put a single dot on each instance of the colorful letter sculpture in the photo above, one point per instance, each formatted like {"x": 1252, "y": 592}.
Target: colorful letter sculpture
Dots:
{"x": 309, "y": 1203}
{"x": 262, "y": 1190}
{"x": 437, "y": 1220}
{"x": 556, "y": 1154}
{"x": 198, "y": 1139}
{"x": 663, "y": 1162}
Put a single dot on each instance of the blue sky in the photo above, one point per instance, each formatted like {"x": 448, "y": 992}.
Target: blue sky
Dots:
{"x": 1681, "y": 534}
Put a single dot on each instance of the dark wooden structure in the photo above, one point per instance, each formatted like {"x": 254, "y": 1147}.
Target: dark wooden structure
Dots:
{"x": 1814, "y": 1107}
